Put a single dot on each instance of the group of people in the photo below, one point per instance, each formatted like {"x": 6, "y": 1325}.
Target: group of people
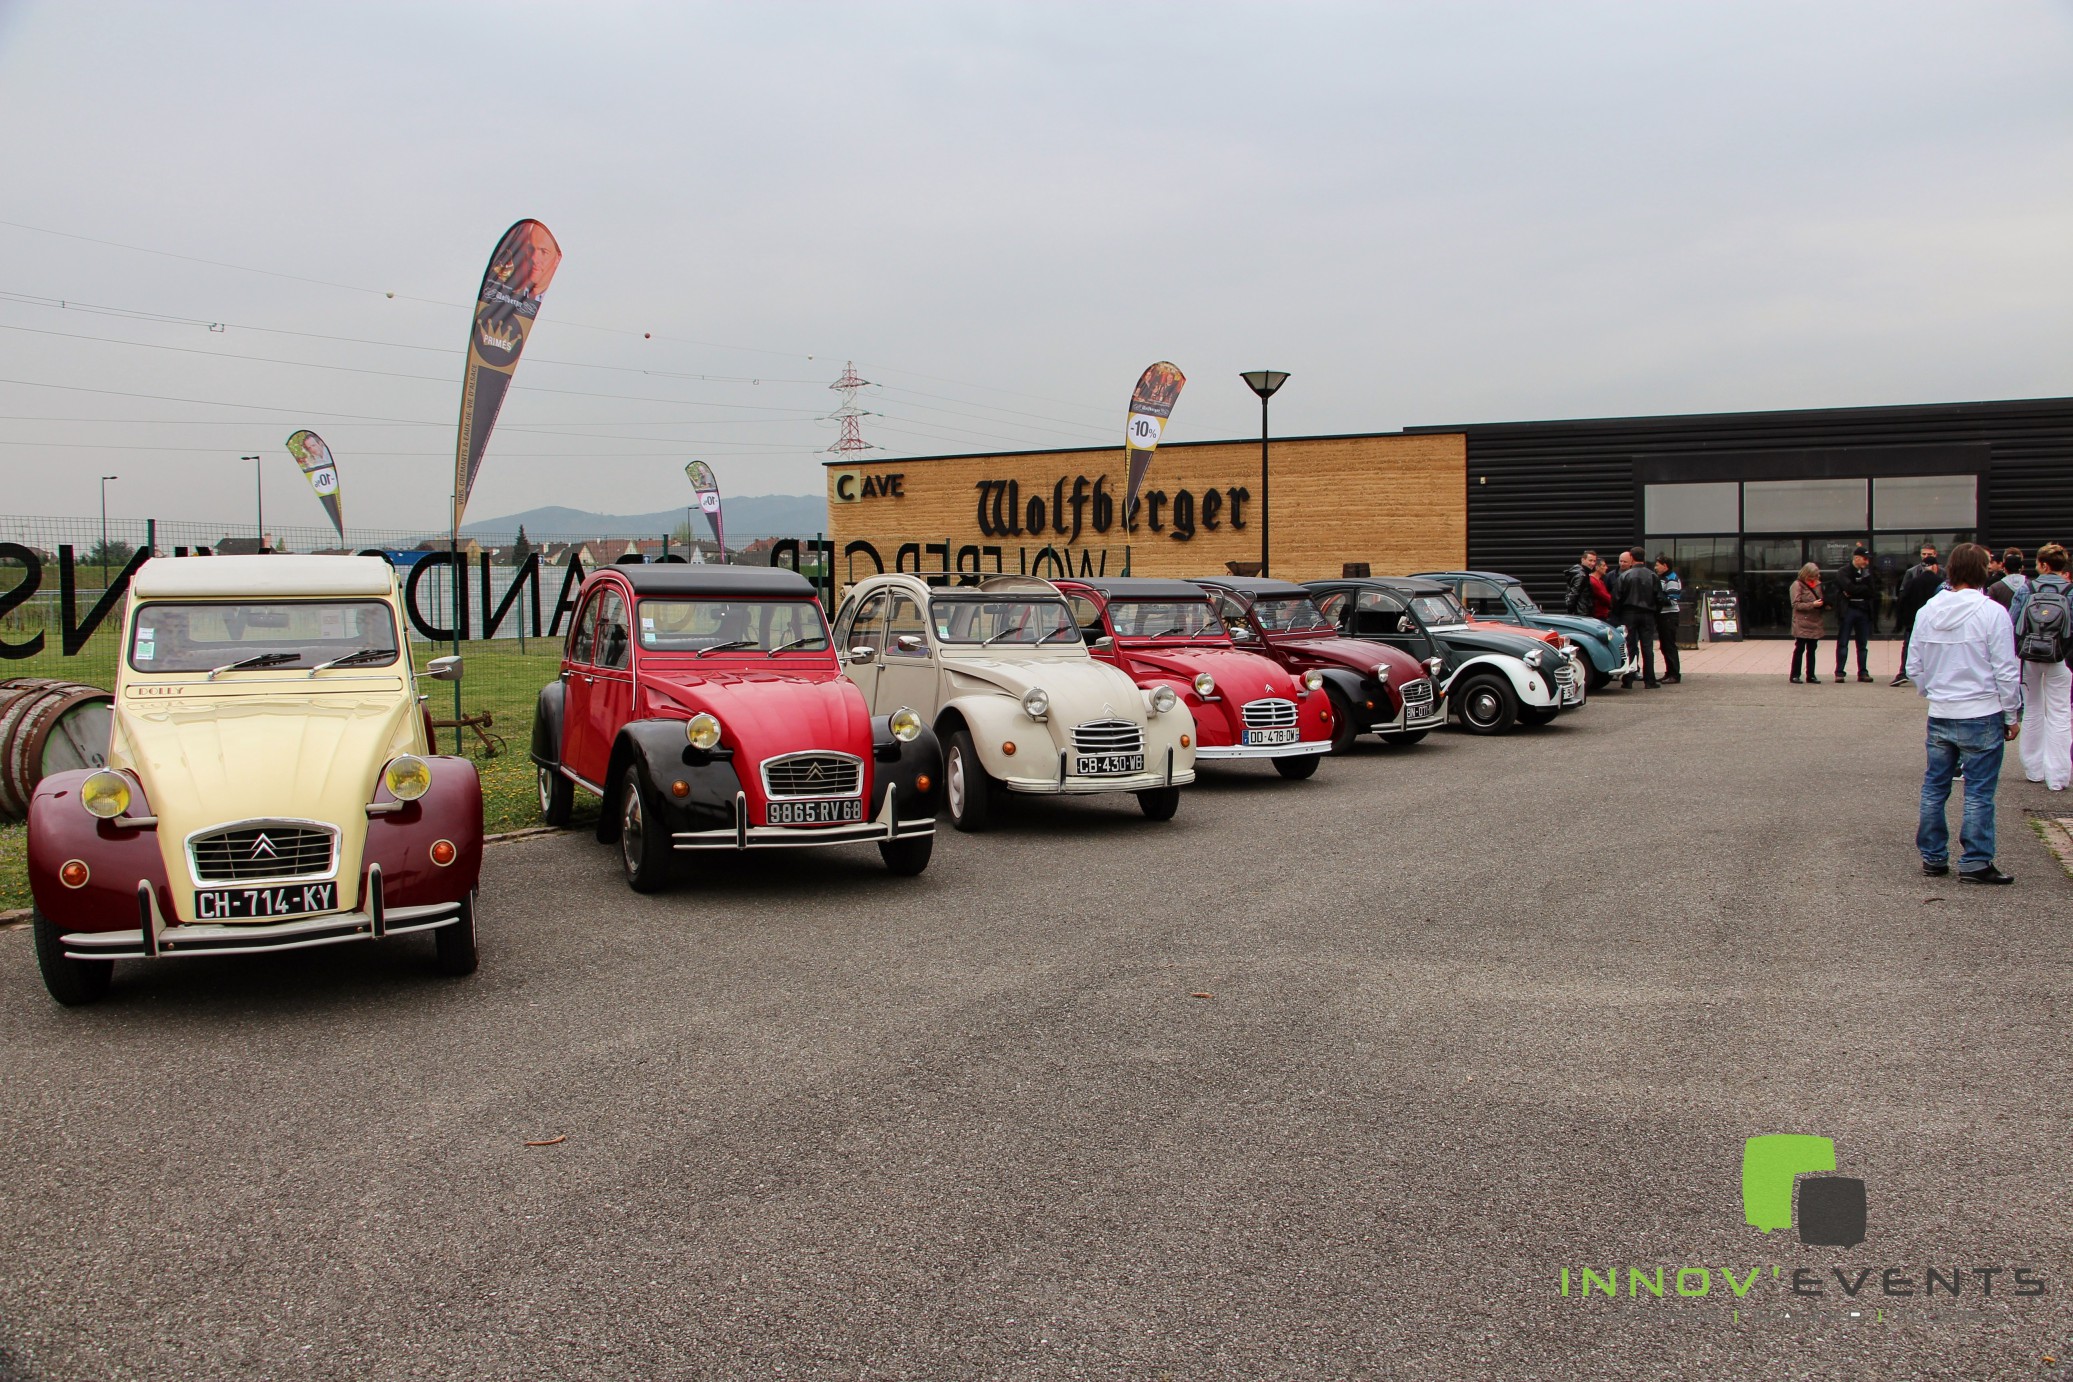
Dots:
{"x": 1643, "y": 597}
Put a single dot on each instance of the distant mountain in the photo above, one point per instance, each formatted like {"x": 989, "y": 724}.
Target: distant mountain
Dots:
{"x": 747, "y": 518}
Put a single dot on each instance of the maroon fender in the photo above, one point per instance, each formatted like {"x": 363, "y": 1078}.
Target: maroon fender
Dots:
{"x": 117, "y": 859}
{"x": 401, "y": 841}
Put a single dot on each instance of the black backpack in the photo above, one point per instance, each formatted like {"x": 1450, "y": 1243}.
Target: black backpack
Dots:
{"x": 2045, "y": 633}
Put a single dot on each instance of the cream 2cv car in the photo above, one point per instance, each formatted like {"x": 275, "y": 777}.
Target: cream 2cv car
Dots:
{"x": 1001, "y": 672}
{"x": 270, "y": 784}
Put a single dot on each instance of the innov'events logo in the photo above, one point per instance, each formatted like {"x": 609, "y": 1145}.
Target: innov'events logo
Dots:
{"x": 1783, "y": 1186}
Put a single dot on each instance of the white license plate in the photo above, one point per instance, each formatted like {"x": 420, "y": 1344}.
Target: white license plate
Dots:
{"x": 1108, "y": 764}
{"x": 1273, "y": 736}
{"x": 250, "y": 904}
{"x": 813, "y": 812}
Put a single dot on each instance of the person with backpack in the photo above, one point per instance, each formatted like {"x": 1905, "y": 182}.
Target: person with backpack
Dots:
{"x": 1860, "y": 588}
{"x": 2043, "y": 638}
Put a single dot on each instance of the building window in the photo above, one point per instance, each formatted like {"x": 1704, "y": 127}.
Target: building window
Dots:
{"x": 1803, "y": 506}
{"x": 1931, "y": 502}
{"x": 1709, "y": 508}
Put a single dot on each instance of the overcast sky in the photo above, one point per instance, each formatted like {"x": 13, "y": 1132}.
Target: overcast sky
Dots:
{"x": 1428, "y": 214}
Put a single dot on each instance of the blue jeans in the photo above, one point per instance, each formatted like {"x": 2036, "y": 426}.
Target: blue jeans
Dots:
{"x": 1971, "y": 748}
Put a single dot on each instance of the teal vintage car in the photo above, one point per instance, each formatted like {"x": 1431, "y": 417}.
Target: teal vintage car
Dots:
{"x": 1499, "y": 598}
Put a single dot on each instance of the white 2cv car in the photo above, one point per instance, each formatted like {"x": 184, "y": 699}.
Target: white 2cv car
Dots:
{"x": 1002, "y": 673}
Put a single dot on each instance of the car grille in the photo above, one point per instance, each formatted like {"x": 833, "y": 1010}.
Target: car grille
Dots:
{"x": 1565, "y": 674}
{"x": 1270, "y": 714}
{"x": 263, "y": 849}
{"x": 1417, "y": 694}
{"x": 1108, "y": 736}
{"x": 813, "y": 775}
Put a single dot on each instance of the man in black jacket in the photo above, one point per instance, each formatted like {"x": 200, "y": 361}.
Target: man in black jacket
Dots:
{"x": 1860, "y": 615}
{"x": 1636, "y": 599}
{"x": 1922, "y": 580}
{"x": 1576, "y": 593}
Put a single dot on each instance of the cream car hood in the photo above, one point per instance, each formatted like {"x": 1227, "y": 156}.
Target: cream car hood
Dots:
{"x": 1080, "y": 688}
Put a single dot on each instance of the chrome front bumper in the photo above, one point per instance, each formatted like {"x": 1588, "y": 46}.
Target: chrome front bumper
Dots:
{"x": 1066, "y": 784}
{"x": 1262, "y": 751}
{"x": 888, "y": 826}
{"x": 155, "y": 938}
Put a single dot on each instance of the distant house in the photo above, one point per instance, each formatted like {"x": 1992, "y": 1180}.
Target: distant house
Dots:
{"x": 246, "y": 546}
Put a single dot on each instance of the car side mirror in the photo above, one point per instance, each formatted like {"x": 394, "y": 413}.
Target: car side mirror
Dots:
{"x": 1103, "y": 642}
{"x": 911, "y": 643}
{"x": 446, "y": 668}
{"x": 862, "y": 655}
{"x": 1240, "y": 629}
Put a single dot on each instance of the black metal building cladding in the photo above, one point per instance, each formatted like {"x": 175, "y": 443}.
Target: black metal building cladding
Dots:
{"x": 1541, "y": 492}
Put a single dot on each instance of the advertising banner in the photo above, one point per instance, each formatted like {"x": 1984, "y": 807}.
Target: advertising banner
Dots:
{"x": 706, "y": 486}
{"x": 512, "y": 286}
{"x": 1151, "y": 403}
{"x": 321, "y": 471}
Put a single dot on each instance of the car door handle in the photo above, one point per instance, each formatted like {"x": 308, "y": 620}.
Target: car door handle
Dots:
{"x": 589, "y": 681}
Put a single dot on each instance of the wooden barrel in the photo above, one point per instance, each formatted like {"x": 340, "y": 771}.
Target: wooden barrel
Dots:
{"x": 47, "y": 727}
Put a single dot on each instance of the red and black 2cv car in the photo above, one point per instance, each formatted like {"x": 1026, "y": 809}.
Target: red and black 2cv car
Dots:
{"x": 1166, "y": 633}
{"x": 705, "y": 706}
{"x": 1373, "y": 688}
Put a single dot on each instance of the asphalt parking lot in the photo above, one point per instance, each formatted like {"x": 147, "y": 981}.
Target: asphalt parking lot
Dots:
{"x": 1325, "y": 1079}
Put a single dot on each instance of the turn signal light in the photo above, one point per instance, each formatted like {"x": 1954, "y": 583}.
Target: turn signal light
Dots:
{"x": 680, "y": 789}
{"x": 1008, "y": 747}
{"x": 443, "y": 852}
{"x": 923, "y": 782}
{"x": 74, "y": 874}
{"x": 1187, "y": 741}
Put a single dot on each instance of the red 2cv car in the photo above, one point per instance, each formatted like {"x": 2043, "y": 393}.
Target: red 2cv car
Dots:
{"x": 1166, "y": 633}
{"x": 705, "y": 705}
{"x": 1373, "y": 688}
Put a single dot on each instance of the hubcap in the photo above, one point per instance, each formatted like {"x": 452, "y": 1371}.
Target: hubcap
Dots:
{"x": 630, "y": 830}
{"x": 1482, "y": 707}
{"x": 546, "y": 791}
{"x": 954, "y": 784}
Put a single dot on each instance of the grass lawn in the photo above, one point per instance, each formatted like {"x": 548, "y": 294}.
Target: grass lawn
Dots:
{"x": 496, "y": 678}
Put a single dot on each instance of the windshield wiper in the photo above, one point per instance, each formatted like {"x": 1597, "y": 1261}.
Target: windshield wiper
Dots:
{"x": 795, "y": 643}
{"x": 723, "y": 647}
{"x": 259, "y": 660}
{"x": 1002, "y": 634}
{"x": 355, "y": 658}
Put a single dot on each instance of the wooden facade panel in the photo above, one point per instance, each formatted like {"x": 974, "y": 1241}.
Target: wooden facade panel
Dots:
{"x": 1396, "y": 502}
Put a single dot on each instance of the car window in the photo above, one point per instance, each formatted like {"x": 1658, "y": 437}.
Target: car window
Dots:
{"x": 1438, "y": 609}
{"x": 1520, "y": 600}
{"x": 1087, "y": 615}
{"x": 1335, "y": 607}
{"x": 202, "y": 637}
{"x": 866, "y": 623}
{"x": 1163, "y": 618}
{"x": 1380, "y": 615}
{"x": 1484, "y": 599}
{"x": 905, "y": 621}
{"x": 1292, "y": 614}
{"x": 614, "y": 648}
{"x": 1005, "y": 619}
{"x": 702, "y": 625}
{"x": 583, "y": 633}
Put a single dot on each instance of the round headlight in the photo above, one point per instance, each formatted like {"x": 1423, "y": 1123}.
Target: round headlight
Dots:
{"x": 702, "y": 730}
{"x": 1035, "y": 702}
{"x": 1163, "y": 699}
{"x": 1205, "y": 684}
{"x": 105, "y": 794}
{"x": 1382, "y": 673}
{"x": 1532, "y": 658}
{"x": 408, "y": 777}
{"x": 1435, "y": 666}
{"x": 906, "y": 725}
{"x": 1313, "y": 680}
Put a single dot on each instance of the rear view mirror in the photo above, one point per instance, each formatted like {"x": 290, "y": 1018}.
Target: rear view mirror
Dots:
{"x": 1240, "y": 629}
{"x": 446, "y": 668}
{"x": 861, "y": 655}
{"x": 911, "y": 643}
{"x": 1104, "y": 642}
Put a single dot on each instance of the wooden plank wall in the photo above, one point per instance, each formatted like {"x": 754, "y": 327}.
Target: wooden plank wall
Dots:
{"x": 1398, "y": 503}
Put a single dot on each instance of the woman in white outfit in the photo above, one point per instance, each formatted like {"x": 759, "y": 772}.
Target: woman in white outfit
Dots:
{"x": 2047, "y": 742}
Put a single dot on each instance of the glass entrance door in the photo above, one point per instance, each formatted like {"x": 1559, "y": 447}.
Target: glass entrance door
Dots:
{"x": 1771, "y": 564}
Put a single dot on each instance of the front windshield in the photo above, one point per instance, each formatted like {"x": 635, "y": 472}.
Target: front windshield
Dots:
{"x": 1520, "y": 600}
{"x": 173, "y": 637}
{"x": 1022, "y": 619}
{"x": 1164, "y": 619}
{"x": 1438, "y": 609}
{"x": 725, "y": 625}
{"x": 1290, "y": 614}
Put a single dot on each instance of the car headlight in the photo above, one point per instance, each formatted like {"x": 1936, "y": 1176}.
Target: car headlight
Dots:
{"x": 1532, "y": 658}
{"x": 1435, "y": 666}
{"x": 702, "y": 730}
{"x": 906, "y": 725}
{"x": 1205, "y": 684}
{"x": 1313, "y": 680}
{"x": 407, "y": 777}
{"x": 1163, "y": 699}
{"x": 1036, "y": 702}
{"x": 105, "y": 794}
{"x": 1382, "y": 673}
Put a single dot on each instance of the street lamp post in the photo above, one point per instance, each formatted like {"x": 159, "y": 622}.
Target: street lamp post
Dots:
{"x": 259, "y": 495}
{"x": 104, "y": 528}
{"x": 1264, "y": 382}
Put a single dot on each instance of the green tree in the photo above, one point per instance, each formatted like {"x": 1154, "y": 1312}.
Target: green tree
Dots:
{"x": 521, "y": 548}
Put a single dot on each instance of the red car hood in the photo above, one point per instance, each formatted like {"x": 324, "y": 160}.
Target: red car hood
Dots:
{"x": 763, "y": 712}
{"x": 1240, "y": 675}
{"x": 1354, "y": 654}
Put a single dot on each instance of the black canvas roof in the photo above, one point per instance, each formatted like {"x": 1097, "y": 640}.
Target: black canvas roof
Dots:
{"x": 691, "y": 578}
{"x": 1138, "y": 587}
{"x": 1402, "y": 585}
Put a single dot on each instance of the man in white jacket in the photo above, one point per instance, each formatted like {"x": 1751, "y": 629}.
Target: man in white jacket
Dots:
{"x": 1962, "y": 659}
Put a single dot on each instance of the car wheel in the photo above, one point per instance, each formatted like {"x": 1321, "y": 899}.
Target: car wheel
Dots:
{"x": 907, "y": 857}
{"x": 1160, "y": 803}
{"x": 1404, "y": 738}
{"x": 1296, "y": 769}
{"x": 967, "y": 790}
{"x": 557, "y": 798}
{"x": 1344, "y": 730}
{"x": 1486, "y": 704}
{"x": 1595, "y": 680}
{"x": 72, "y": 982}
{"x": 454, "y": 944}
{"x": 643, "y": 845}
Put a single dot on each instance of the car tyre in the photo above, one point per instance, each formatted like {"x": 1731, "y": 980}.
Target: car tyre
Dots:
{"x": 907, "y": 858}
{"x": 967, "y": 790}
{"x": 454, "y": 944}
{"x": 1160, "y": 803}
{"x": 1296, "y": 769}
{"x": 643, "y": 845}
{"x": 1404, "y": 738}
{"x": 1344, "y": 730}
{"x": 1486, "y": 704}
{"x": 1595, "y": 680}
{"x": 74, "y": 983}
{"x": 557, "y": 798}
